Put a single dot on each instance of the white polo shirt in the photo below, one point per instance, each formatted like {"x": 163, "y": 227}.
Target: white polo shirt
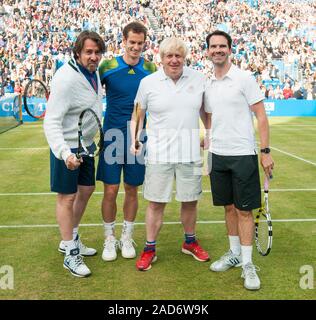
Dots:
{"x": 229, "y": 101}
{"x": 173, "y": 115}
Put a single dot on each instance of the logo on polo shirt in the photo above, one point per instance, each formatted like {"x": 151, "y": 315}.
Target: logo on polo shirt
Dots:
{"x": 190, "y": 89}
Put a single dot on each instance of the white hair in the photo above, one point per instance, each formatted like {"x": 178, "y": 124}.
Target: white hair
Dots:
{"x": 171, "y": 45}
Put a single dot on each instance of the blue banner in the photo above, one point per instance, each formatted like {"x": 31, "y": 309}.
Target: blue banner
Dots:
{"x": 286, "y": 108}
{"x": 290, "y": 108}
{"x": 7, "y": 109}
{"x": 7, "y": 106}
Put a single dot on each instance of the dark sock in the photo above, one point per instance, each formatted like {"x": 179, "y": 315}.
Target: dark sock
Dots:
{"x": 189, "y": 238}
{"x": 150, "y": 246}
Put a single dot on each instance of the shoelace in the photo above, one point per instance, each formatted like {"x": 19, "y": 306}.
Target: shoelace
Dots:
{"x": 81, "y": 245}
{"x": 76, "y": 262}
{"x": 250, "y": 270}
{"x": 197, "y": 248}
{"x": 110, "y": 244}
{"x": 127, "y": 243}
{"x": 228, "y": 256}
{"x": 145, "y": 255}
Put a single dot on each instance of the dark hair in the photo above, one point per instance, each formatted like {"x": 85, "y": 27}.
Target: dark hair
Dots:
{"x": 219, "y": 33}
{"x": 136, "y": 27}
{"x": 83, "y": 36}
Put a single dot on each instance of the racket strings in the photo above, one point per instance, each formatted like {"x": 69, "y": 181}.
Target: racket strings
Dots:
{"x": 36, "y": 98}
{"x": 90, "y": 132}
{"x": 37, "y": 90}
{"x": 263, "y": 225}
{"x": 263, "y": 232}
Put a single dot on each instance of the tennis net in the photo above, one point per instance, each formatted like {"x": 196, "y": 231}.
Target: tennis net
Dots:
{"x": 10, "y": 112}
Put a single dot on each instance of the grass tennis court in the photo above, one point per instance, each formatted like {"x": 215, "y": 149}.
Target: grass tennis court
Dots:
{"x": 29, "y": 235}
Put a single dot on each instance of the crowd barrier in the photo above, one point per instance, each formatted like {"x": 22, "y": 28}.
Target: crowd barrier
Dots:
{"x": 290, "y": 108}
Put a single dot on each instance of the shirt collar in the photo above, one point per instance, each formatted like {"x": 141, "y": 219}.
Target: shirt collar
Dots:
{"x": 79, "y": 68}
{"x": 231, "y": 74}
{"x": 85, "y": 71}
{"x": 140, "y": 61}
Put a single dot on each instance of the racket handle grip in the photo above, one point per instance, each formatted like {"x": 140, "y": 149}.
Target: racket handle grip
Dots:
{"x": 266, "y": 183}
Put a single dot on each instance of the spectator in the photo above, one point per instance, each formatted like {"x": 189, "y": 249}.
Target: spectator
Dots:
{"x": 261, "y": 34}
{"x": 287, "y": 91}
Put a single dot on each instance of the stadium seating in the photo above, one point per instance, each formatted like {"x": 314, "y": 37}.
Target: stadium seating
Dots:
{"x": 35, "y": 41}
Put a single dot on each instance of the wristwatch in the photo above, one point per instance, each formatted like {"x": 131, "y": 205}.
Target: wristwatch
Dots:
{"x": 265, "y": 150}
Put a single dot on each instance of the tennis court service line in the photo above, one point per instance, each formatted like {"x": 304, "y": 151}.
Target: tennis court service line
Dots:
{"x": 293, "y": 156}
{"x": 140, "y": 223}
{"x": 140, "y": 192}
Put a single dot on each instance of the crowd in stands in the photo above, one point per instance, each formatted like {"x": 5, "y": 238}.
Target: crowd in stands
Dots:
{"x": 273, "y": 40}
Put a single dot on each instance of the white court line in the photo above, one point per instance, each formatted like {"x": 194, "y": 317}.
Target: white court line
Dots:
{"x": 292, "y": 125}
{"x": 294, "y": 156}
{"x": 140, "y": 192}
{"x": 140, "y": 223}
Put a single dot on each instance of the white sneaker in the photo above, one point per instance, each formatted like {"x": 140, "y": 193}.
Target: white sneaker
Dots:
{"x": 127, "y": 248}
{"x": 74, "y": 263}
{"x": 227, "y": 261}
{"x": 252, "y": 281}
{"x": 84, "y": 251}
{"x": 110, "y": 247}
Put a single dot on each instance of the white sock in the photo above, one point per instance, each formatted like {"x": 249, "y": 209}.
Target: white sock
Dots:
{"x": 75, "y": 233}
{"x": 234, "y": 244}
{"x": 109, "y": 228}
{"x": 70, "y": 245}
{"x": 128, "y": 227}
{"x": 246, "y": 254}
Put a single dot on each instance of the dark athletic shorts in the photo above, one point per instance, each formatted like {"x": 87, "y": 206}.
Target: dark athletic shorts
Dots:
{"x": 63, "y": 180}
{"x": 235, "y": 180}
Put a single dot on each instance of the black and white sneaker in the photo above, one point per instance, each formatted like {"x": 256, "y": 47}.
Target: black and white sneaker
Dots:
{"x": 74, "y": 263}
{"x": 84, "y": 250}
{"x": 227, "y": 261}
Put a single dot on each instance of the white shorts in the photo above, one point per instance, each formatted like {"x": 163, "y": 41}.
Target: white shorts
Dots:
{"x": 158, "y": 185}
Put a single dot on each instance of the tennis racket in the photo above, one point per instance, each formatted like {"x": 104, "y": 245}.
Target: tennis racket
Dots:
{"x": 35, "y": 98}
{"x": 263, "y": 224}
{"x": 137, "y": 113}
{"x": 90, "y": 134}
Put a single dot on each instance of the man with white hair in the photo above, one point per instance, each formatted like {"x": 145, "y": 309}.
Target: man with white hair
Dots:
{"x": 172, "y": 98}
